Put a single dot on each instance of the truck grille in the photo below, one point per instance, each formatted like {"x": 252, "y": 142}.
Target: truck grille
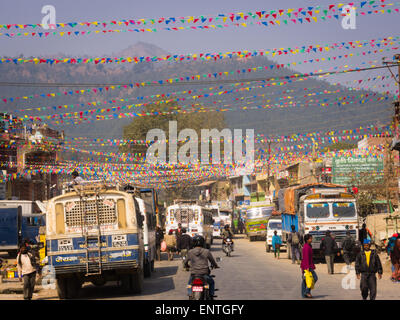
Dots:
{"x": 76, "y": 212}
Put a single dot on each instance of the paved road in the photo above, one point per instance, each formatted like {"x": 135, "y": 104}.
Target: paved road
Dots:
{"x": 250, "y": 273}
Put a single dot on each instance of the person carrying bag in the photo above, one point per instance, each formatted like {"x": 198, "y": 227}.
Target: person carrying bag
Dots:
{"x": 27, "y": 267}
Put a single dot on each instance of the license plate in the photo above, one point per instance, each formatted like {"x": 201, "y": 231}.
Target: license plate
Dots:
{"x": 197, "y": 289}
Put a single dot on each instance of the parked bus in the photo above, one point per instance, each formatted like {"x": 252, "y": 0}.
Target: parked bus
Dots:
{"x": 197, "y": 219}
{"x": 94, "y": 233}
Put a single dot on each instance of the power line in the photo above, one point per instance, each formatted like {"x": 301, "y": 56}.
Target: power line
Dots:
{"x": 183, "y": 83}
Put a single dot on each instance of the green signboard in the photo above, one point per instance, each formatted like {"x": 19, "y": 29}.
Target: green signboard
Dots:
{"x": 344, "y": 169}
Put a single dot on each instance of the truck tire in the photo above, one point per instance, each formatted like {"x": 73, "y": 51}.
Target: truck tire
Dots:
{"x": 268, "y": 249}
{"x": 73, "y": 288}
{"x": 137, "y": 282}
{"x": 146, "y": 269}
{"x": 133, "y": 283}
{"x": 62, "y": 288}
{"x": 251, "y": 238}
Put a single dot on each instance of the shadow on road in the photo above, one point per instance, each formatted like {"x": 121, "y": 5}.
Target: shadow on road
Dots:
{"x": 160, "y": 281}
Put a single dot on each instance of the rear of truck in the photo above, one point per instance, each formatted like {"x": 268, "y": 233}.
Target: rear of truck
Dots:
{"x": 95, "y": 235}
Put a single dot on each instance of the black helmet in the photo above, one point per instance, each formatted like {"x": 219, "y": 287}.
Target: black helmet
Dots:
{"x": 75, "y": 174}
{"x": 226, "y": 227}
{"x": 198, "y": 241}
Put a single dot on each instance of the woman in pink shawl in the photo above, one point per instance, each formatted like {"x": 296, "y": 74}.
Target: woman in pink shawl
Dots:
{"x": 307, "y": 264}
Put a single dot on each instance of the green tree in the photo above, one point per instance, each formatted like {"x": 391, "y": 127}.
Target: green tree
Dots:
{"x": 166, "y": 112}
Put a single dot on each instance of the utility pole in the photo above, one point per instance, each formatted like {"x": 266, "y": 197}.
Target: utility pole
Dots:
{"x": 269, "y": 165}
{"x": 396, "y": 118}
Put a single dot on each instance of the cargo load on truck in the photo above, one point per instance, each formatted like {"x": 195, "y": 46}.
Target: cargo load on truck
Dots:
{"x": 292, "y": 195}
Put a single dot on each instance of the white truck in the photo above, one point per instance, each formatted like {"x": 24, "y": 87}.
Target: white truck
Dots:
{"x": 274, "y": 224}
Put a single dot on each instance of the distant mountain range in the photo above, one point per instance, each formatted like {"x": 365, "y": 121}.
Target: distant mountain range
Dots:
{"x": 293, "y": 118}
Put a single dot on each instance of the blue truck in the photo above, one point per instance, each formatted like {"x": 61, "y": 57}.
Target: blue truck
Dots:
{"x": 315, "y": 209}
{"x": 16, "y": 226}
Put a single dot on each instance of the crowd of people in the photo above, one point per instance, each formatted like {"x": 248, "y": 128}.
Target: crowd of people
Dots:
{"x": 367, "y": 261}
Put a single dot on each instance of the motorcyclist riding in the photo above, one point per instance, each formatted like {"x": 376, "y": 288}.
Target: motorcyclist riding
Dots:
{"x": 199, "y": 258}
{"x": 227, "y": 233}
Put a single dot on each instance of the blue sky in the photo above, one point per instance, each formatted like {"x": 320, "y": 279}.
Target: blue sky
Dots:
{"x": 222, "y": 40}
{"x": 255, "y": 37}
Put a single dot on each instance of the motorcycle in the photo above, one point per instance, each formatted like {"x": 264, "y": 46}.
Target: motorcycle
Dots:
{"x": 227, "y": 248}
{"x": 200, "y": 289}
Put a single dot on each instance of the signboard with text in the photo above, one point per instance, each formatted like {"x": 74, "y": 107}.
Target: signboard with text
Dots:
{"x": 345, "y": 168}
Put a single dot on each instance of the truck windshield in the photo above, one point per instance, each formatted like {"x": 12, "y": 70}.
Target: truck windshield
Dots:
{"x": 318, "y": 210}
{"x": 343, "y": 209}
{"x": 224, "y": 214}
{"x": 275, "y": 225}
{"x": 214, "y": 213}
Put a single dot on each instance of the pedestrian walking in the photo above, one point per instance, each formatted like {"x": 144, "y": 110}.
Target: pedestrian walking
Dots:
{"x": 183, "y": 244}
{"x": 329, "y": 248}
{"x": 307, "y": 264}
{"x": 395, "y": 259}
{"x": 389, "y": 249}
{"x": 364, "y": 233}
{"x": 295, "y": 241}
{"x": 26, "y": 265}
{"x": 348, "y": 249}
{"x": 170, "y": 240}
{"x": 159, "y": 239}
{"x": 367, "y": 265}
{"x": 276, "y": 244}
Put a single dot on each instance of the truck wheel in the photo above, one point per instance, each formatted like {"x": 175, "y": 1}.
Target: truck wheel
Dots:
{"x": 62, "y": 288}
{"x": 268, "y": 248}
{"x": 147, "y": 269}
{"x": 251, "y": 239}
{"x": 137, "y": 282}
{"x": 73, "y": 288}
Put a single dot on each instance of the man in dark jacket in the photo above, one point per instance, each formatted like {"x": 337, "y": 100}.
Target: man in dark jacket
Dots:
{"x": 329, "y": 248}
{"x": 367, "y": 265}
{"x": 184, "y": 244}
{"x": 159, "y": 239}
{"x": 348, "y": 249}
{"x": 199, "y": 258}
{"x": 295, "y": 240}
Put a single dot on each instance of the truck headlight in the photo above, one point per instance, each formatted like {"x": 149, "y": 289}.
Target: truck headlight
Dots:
{"x": 65, "y": 245}
{"x": 119, "y": 240}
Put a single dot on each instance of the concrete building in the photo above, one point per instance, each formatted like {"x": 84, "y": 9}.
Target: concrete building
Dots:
{"x": 24, "y": 150}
